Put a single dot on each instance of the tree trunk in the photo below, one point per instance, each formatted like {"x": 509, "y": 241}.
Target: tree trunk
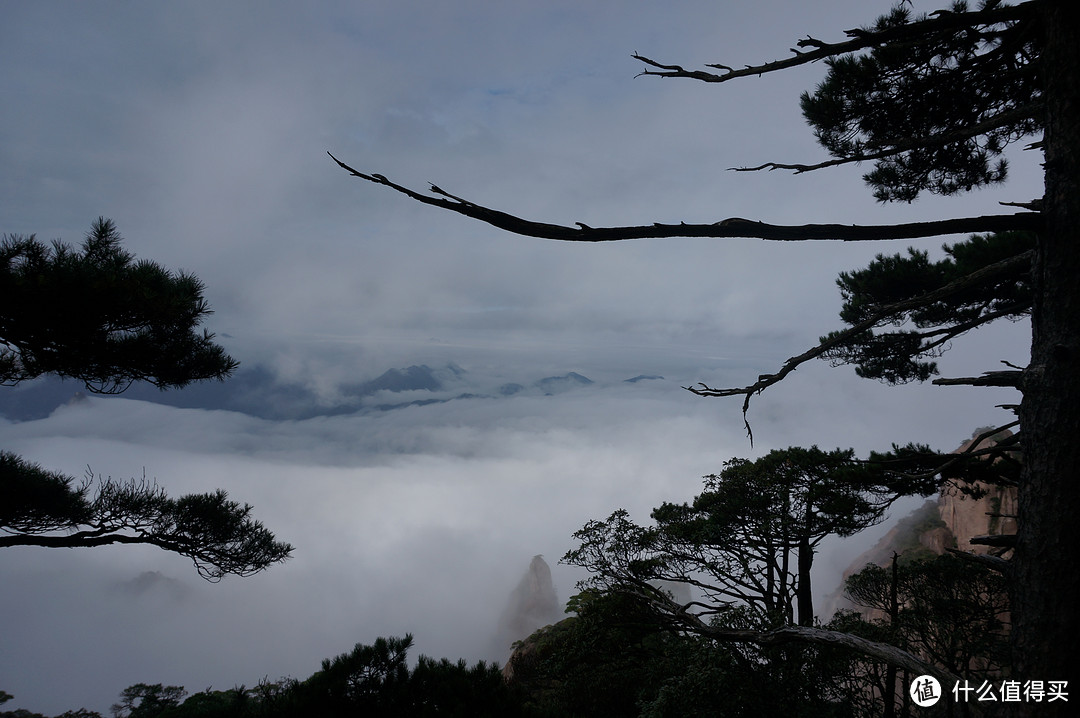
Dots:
{"x": 889, "y": 694}
{"x": 1046, "y": 584}
{"x": 806, "y": 562}
{"x": 805, "y": 591}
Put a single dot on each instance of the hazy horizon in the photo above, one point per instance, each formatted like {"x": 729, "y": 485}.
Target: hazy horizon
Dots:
{"x": 202, "y": 131}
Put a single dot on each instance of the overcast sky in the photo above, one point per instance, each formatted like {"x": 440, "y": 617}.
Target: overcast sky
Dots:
{"x": 202, "y": 129}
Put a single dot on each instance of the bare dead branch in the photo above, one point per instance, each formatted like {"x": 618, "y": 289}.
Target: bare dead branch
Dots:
{"x": 1001, "y": 540}
{"x": 990, "y": 378}
{"x": 1035, "y": 205}
{"x": 680, "y": 617}
{"x": 975, "y": 447}
{"x": 734, "y": 227}
{"x": 892, "y": 655}
{"x": 941, "y": 337}
{"x": 994, "y": 563}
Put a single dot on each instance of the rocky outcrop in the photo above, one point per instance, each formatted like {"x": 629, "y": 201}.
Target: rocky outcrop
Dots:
{"x": 532, "y": 649}
{"x": 967, "y": 517}
{"x": 532, "y": 604}
{"x": 949, "y": 522}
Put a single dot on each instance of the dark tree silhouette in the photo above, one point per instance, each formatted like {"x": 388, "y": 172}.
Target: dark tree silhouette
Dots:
{"x": 147, "y": 701}
{"x": 932, "y": 101}
{"x": 746, "y": 546}
{"x": 44, "y": 508}
{"x": 98, "y": 316}
{"x": 947, "y": 609}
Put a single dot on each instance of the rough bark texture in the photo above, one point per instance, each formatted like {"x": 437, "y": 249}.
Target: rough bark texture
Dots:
{"x": 1046, "y": 585}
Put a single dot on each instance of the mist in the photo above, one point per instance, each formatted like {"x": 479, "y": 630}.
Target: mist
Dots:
{"x": 202, "y": 131}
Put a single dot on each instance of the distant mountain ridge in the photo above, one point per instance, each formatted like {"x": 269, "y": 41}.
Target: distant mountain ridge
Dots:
{"x": 256, "y": 391}
{"x": 413, "y": 378}
{"x": 558, "y": 384}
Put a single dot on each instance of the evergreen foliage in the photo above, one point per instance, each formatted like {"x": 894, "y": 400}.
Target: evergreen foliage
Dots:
{"x": 147, "y": 701}
{"x": 373, "y": 681}
{"x": 747, "y": 540}
{"x": 606, "y": 660}
{"x": 891, "y": 291}
{"x": 97, "y": 315}
{"x": 943, "y": 108}
{"x": 949, "y": 610}
{"x": 44, "y": 508}
{"x": 614, "y": 660}
{"x": 744, "y": 548}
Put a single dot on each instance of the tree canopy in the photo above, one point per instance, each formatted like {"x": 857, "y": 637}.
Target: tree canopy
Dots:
{"x": 44, "y": 508}
{"x": 371, "y": 680}
{"x": 745, "y": 547}
{"x": 945, "y": 608}
{"x": 99, "y": 316}
{"x": 748, "y": 539}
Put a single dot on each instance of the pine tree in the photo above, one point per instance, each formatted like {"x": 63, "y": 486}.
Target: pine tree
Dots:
{"x": 932, "y": 101}
{"x": 99, "y": 316}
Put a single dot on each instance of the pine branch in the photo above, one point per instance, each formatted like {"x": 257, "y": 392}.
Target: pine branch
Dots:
{"x": 999, "y": 120}
{"x": 82, "y": 539}
{"x": 943, "y": 336}
{"x": 975, "y": 450}
{"x": 861, "y": 40}
{"x": 766, "y": 380}
{"x": 734, "y": 227}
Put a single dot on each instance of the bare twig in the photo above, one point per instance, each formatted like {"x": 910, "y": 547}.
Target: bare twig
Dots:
{"x": 801, "y": 634}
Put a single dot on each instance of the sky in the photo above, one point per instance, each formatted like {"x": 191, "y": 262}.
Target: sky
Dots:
{"x": 202, "y": 129}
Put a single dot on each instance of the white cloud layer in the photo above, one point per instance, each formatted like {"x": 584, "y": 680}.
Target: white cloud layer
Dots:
{"x": 201, "y": 129}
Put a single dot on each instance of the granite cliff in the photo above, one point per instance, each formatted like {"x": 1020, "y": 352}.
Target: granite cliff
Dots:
{"x": 531, "y": 605}
{"x": 949, "y": 521}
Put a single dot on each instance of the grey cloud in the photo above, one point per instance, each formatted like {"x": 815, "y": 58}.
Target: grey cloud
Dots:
{"x": 201, "y": 129}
